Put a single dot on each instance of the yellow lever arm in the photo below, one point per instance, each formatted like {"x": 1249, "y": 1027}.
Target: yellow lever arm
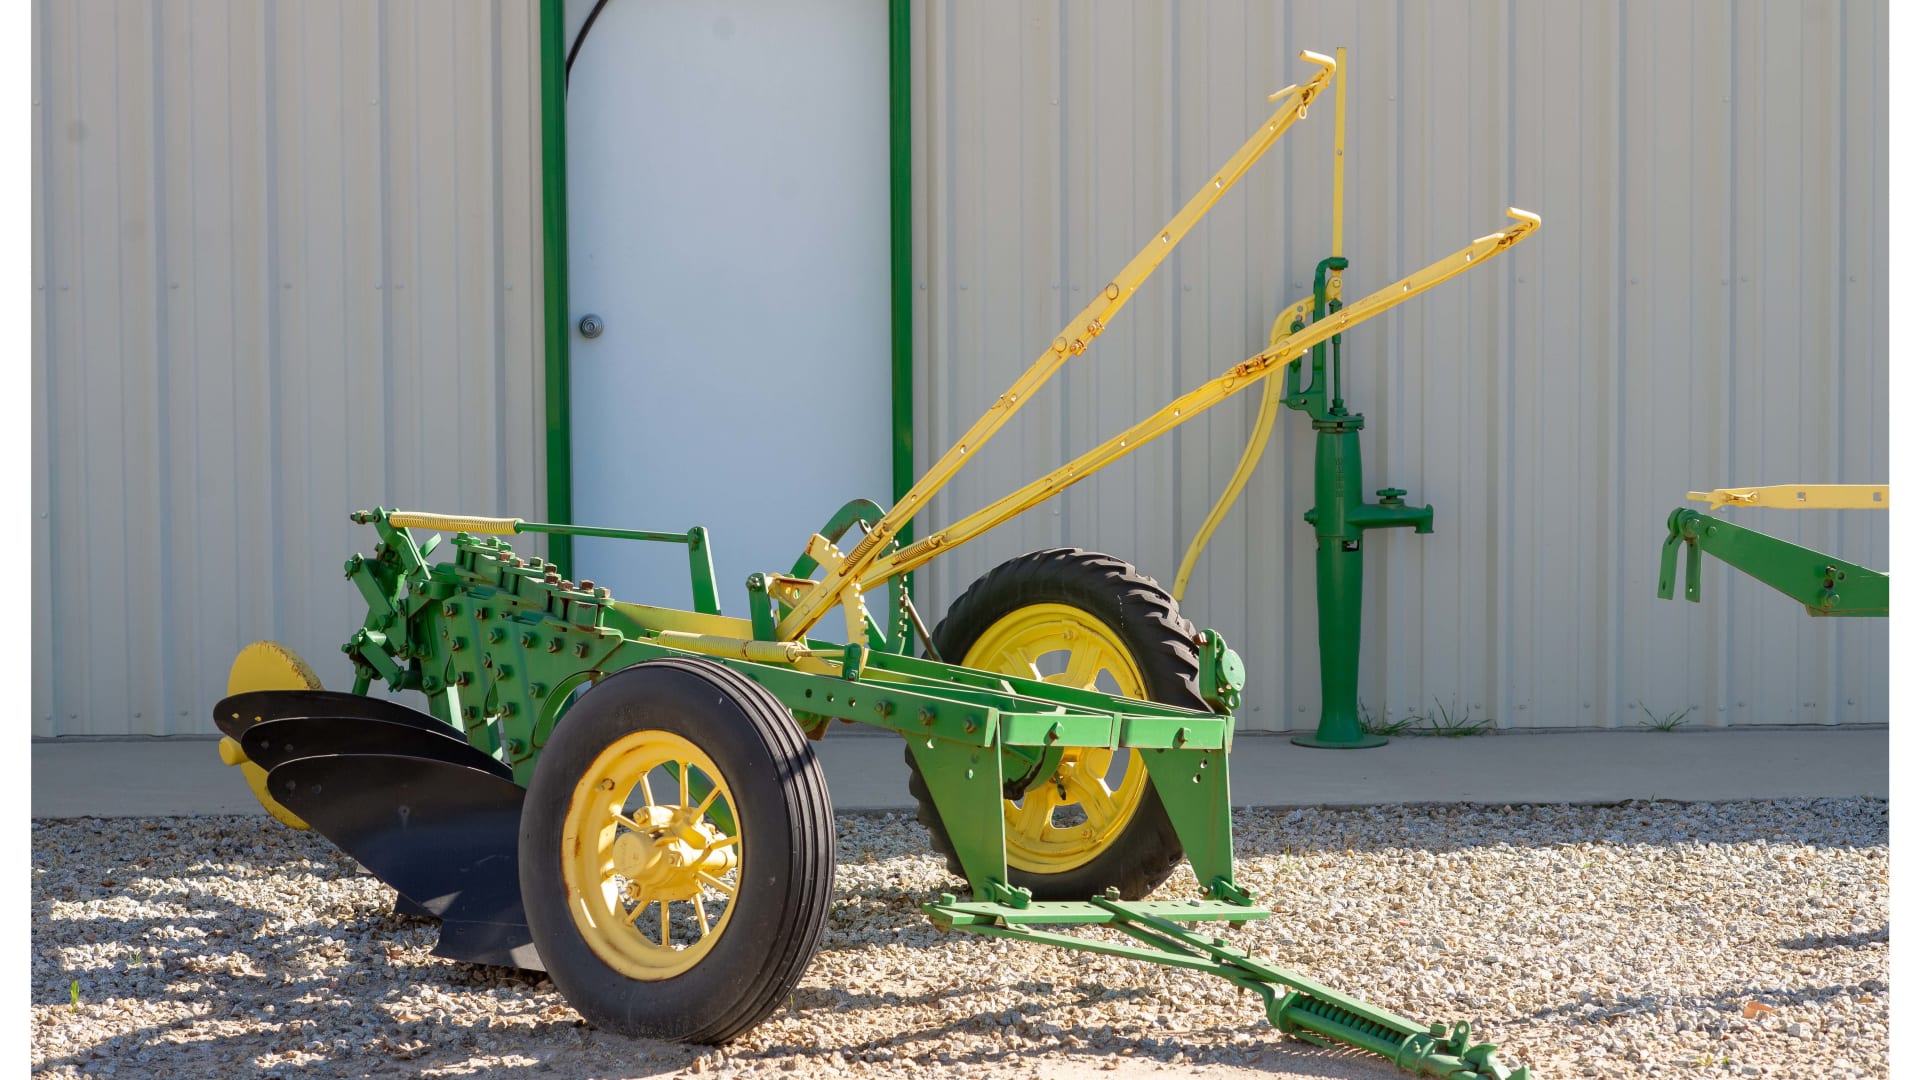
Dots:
{"x": 1797, "y": 497}
{"x": 1072, "y": 340}
{"x": 1191, "y": 404}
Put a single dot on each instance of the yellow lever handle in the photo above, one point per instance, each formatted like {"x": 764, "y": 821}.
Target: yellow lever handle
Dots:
{"x": 455, "y": 523}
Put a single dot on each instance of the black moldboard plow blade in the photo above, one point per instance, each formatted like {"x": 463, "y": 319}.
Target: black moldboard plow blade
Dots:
{"x": 273, "y": 742}
{"x": 446, "y": 836}
{"x": 235, "y": 714}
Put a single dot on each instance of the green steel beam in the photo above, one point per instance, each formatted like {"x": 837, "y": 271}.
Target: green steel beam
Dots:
{"x": 900, "y": 144}
{"x": 1826, "y": 586}
{"x": 553, "y": 191}
{"x": 553, "y": 132}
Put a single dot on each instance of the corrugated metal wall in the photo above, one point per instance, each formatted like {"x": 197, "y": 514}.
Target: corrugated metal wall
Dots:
{"x": 286, "y": 263}
{"x": 1706, "y": 305}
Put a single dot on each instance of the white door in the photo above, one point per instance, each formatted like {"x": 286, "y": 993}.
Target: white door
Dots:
{"x": 727, "y": 205}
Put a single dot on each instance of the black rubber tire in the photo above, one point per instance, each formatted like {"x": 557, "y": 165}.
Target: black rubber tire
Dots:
{"x": 1148, "y": 621}
{"x": 787, "y": 855}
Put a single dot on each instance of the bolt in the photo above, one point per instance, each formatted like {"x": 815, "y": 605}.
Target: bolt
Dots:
{"x": 586, "y": 584}
{"x": 553, "y": 645}
{"x": 449, "y": 610}
{"x": 580, "y": 650}
{"x": 526, "y": 640}
{"x": 926, "y": 716}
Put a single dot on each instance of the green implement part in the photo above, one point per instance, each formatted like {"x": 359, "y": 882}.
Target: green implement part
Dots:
{"x": 626, "y": 796}
{"x": 1294, "y": 1004}
{"x": 1823, "y": 584}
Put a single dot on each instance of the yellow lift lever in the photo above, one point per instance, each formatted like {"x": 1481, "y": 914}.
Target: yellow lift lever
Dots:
{"x": 1072, "y": 340}
{"x": 1797, "y": 497}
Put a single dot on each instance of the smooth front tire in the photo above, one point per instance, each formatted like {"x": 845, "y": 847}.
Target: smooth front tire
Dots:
{"x": 676, "y": 853}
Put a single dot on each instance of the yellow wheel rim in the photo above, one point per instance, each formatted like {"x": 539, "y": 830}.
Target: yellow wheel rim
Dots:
{"x": 265, "y": 665}
{"x": 1089, "y": 800}
{"x": 651, "y": 873}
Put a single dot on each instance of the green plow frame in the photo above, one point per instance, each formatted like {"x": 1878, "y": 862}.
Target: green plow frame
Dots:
{"x": 501, "y": 644}
{"x": 490, "y": 618}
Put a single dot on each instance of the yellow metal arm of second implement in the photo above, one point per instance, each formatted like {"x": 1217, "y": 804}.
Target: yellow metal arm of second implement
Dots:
{"x": 1189, "y": 405}
{"x": 1072, "y": 340}
{"x": 1797, "y": 497}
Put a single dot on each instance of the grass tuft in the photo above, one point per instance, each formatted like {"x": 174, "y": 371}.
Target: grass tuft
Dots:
{"x": 1440, "y": 721}
{"x": 1664, "y": 723}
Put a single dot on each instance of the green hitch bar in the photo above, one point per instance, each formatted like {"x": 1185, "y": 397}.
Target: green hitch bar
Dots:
{"x": 1294, "y": 1004}
{"x": 1824, "y": 585}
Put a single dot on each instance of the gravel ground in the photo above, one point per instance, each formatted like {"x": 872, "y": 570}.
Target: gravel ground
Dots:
{"x": 1641, "y": 939}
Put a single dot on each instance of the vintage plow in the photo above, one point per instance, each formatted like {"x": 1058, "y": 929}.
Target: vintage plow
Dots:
{"x": 626, "y": 797}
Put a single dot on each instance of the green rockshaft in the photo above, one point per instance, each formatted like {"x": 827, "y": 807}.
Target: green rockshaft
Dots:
{"x": 499, "y": 644}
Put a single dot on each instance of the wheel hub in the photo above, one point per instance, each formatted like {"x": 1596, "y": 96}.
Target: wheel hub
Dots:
{"x": 665, "y": 857}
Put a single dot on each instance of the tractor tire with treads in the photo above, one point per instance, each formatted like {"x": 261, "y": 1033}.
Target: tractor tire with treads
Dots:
{"x": 1107, "y": 618}
{"x": 682, "y": 785}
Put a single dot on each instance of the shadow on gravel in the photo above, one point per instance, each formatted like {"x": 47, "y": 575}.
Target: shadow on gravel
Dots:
{"x": 1838, "y": 941}
{"x": 1441, "y": 829}
{"x": 1729, "y": 1002}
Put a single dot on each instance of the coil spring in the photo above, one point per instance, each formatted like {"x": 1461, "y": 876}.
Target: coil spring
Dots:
{"x": 1328, "y": 1010}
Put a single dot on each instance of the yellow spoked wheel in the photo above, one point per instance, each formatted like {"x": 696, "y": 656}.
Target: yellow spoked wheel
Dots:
{"x": 265, "y": 665}
{"x": 676, "y": 852}
{"x": 1070, "y": 816}
{"x": 1090, "y": 821}
{"x": 651, "y": 877}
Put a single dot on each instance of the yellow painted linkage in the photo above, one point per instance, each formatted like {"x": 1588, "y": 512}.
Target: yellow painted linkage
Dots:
{"x": 1797, "y": 497}
{"x": 1282, "y": 325}
{"x": 1072, "y": 340}
{"x": 1187, "y": 406}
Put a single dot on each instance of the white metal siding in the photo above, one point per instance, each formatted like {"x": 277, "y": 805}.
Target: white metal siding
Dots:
{"x": 286, "y": 262}
{"x": 1706, "y": 305}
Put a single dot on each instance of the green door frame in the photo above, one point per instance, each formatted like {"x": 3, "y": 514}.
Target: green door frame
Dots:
{"x": 559, "y": 330}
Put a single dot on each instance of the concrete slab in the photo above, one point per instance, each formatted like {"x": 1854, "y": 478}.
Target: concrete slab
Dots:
{"x": 866, "y": 771}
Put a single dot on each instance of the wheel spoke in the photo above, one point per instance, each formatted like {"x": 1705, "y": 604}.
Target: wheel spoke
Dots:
{"x": 725, "y": 841}
{"x": 1083, "y": 668}
{"x": 1096, "y": 800}
{"x": 1035, "y": 812}
{"x": 663, "y": 924}
{"x": 701, "y": 810}
{"x": 685, "y": 796}
{"x": 646, "y": 792}
{"x": 1016, "y": 659}
{"x": 715, "y": 882}
{"x": 700, "y": 912}
{"x": 627, "y": 821}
